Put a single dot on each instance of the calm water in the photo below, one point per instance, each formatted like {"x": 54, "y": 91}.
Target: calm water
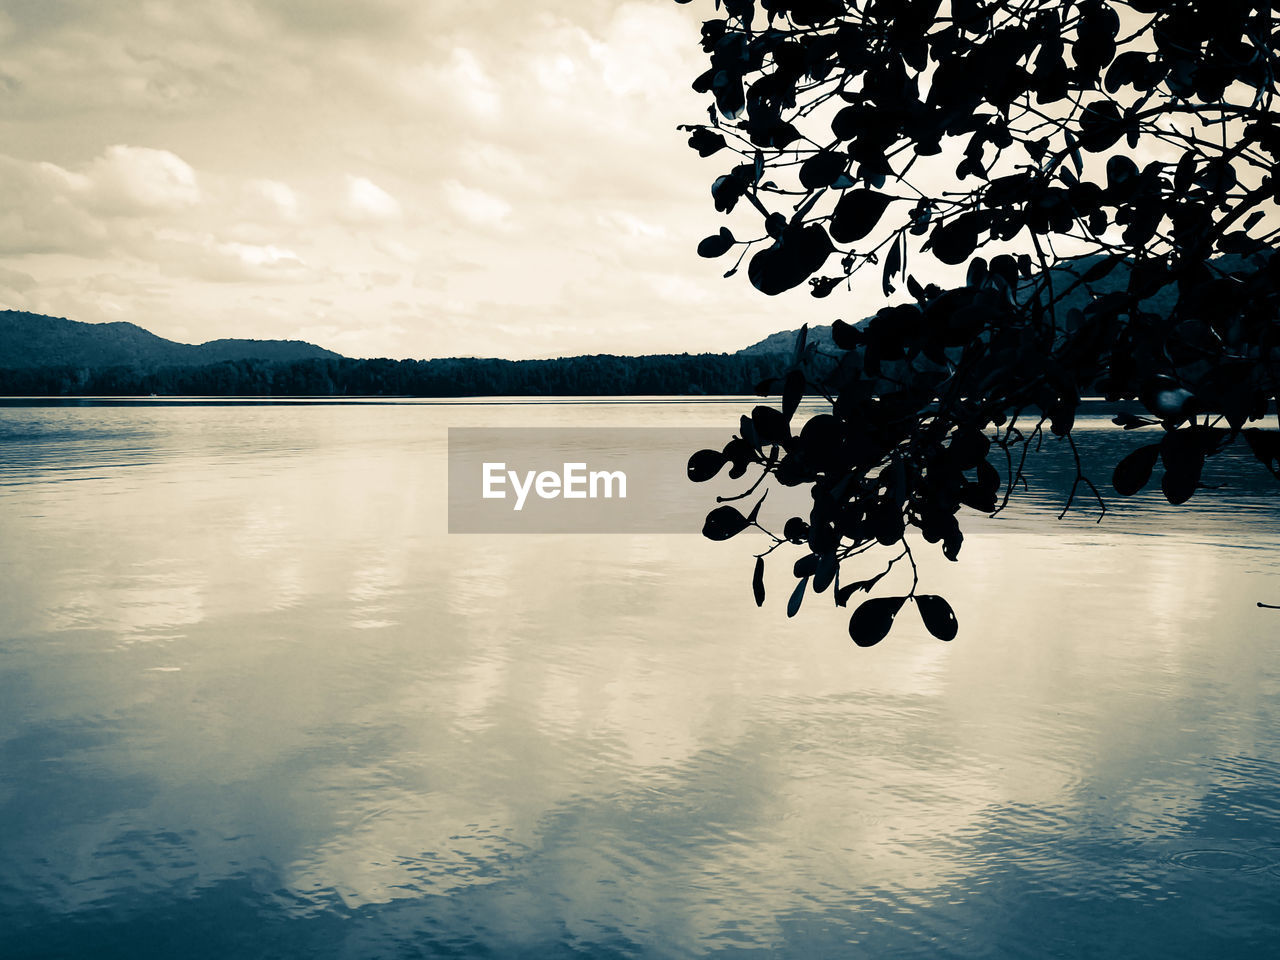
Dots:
{"x": 255, "y": 702}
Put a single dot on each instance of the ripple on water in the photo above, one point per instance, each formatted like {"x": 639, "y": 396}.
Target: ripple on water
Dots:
{"x": 1218, "y": 860}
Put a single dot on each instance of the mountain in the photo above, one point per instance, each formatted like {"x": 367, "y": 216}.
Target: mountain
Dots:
{"x": 32, "y": 340}
{"x": 785, "y": 342}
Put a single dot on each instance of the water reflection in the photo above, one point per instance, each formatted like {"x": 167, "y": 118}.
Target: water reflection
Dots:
{"x": 254, "y": 702}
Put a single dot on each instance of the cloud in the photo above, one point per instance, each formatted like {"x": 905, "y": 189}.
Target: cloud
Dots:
{"x": 468, "y": 81}
{"x": 267, "y": 257}
{"x": 632, "y": 226}
{"x": 41, "y": 211}
{"x": 272, "y": 199}
{"x": 15, "y": 285}
{"x": 491, "y": 163}
{"x": 218, "y": 261}
{"x": 375, "y": 19}
{"x": 678, "y": 289}
{"x": 366, "y": 202}
{"x": 400, "y": 252}
{"x": 129, "y": 180}
{"x": 642, "y": 50}
{"x": 16, "y": 280}
{"x": 476, "y": 206}
{"x": 556, "y": 73}
{"x": 48, "y": 208}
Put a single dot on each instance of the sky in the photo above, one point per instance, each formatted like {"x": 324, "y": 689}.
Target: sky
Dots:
{"x": 393, "y": 178}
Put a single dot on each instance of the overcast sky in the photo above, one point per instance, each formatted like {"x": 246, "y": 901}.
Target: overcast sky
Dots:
{"x": 385, "y": 178}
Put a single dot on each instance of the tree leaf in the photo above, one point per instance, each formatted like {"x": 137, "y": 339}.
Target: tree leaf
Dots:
{"x": 796, "y": 530}
{"x": 939, "y": 619}
{"x": 952, "y": 542}
{"x": 892, "y": 264}
{"x": 872, "y": 620}
{"x": 757, "y": 582}
{"x": 702, "y": 139}
{"x": 822, "y": 169}
{"x": 844, "y": 335}
{"x": 792, "y": 393}
{"x": 724, "y": 522}
{"x": 805, "y": 567}
{"x": 1183, "y": 457}
{"x": 977, "y": 272}
{"x": 953, "y": 241}
{"x": 1134, "y": 471}
{"x": 797, "y": 595}
{"x": 802, "y": 341}
{"x": 828, "y": 566}
{"x": 1265, "y": 445}
{"x": 1102, "y": 268}
{"x": 717, "y": 245}
{"x": 705, "y": 464}
{"x": 791, "y": 260}
{"x": 770, "y": 424}
{"x": 726, "y": 191}
{"x": 856, "y": 214}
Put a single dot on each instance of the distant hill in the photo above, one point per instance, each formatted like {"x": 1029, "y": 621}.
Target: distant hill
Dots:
{"x": 785, "y": 342}
{"x": 32, "y": 340}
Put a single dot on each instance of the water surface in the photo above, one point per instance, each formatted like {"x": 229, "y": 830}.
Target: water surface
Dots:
{"x": 255, "y": 702}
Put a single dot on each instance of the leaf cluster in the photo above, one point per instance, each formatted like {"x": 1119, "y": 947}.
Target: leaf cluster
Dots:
{"x": 983, "y": 156}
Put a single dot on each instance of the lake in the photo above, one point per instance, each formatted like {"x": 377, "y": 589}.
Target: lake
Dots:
{"x": 255, "y": 702}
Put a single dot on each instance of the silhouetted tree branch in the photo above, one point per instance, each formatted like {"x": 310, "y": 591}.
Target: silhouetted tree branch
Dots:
{"x": 1061, "y": 198}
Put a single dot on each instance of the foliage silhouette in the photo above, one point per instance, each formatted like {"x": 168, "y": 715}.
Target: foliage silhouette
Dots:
{"x": 1028, "y": 154}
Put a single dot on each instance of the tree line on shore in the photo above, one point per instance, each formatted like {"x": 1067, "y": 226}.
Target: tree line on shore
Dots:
{"x": 600, "y": 375}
